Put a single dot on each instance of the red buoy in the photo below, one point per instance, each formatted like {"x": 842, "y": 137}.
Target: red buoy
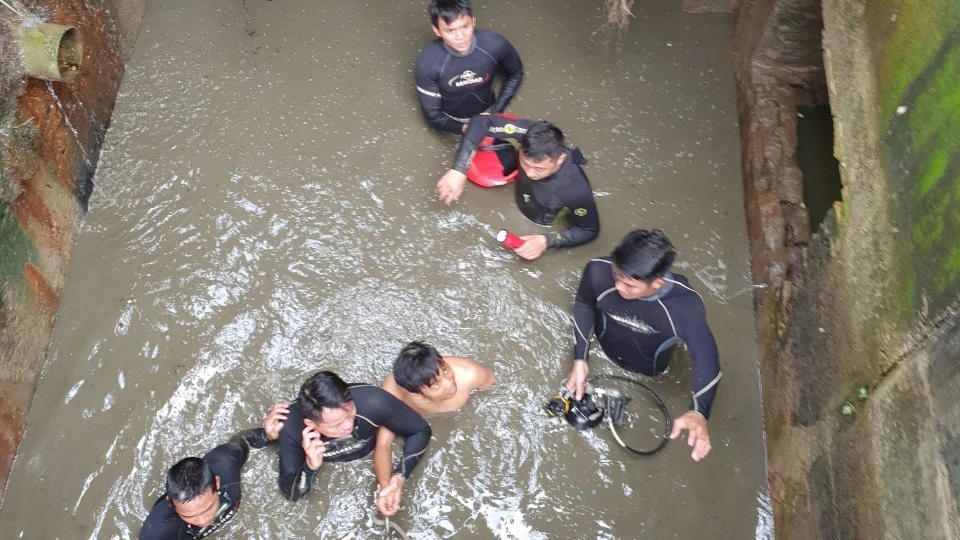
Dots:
{"x": 485, "y": 169}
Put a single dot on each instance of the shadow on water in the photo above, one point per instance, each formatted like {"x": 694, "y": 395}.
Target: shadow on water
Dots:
{"x": 265, "y": 208}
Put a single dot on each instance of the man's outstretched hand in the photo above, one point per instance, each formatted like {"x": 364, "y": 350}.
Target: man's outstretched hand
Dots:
{"x": 450, "y": 185}
{"x": 698, "y": 437}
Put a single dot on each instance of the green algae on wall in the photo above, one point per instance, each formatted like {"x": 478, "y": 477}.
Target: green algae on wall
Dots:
{"x": 15, "y": 248}
{"x": 910, "y": 33}
{"x": 919, "y": 83}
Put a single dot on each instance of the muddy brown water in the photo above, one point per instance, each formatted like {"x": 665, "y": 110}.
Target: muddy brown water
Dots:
{"x": 265, "y": 207}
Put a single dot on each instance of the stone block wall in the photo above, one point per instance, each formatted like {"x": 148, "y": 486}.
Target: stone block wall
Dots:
{"x": 50, "y": 137}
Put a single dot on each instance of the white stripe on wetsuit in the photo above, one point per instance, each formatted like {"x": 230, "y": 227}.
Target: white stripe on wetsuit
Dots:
{"x": 696, "y": 406}
{"x": 427, "y": 92}
{"x": 669, "y": 318}
{"x": 403, "y": 462}
{"x": 684, "y": 286}
{"x": 586, "y": 352}
{"x": 368, "y": 420}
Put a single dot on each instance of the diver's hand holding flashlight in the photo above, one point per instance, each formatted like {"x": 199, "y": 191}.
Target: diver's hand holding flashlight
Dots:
{"x": 533, "y": 246}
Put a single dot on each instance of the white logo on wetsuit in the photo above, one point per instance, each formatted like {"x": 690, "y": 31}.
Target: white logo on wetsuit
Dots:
{"x": 466, "y": 78}
{"x": 341, "y": 446}
{"x": 634, "y": 324}
{"x": 228, "y": 509}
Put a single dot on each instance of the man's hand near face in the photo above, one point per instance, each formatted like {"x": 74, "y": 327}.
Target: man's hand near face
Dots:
{"x": 313, "y": 447}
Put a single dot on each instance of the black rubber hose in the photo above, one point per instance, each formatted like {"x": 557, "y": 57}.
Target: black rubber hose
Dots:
{"x": 667, "y": 421}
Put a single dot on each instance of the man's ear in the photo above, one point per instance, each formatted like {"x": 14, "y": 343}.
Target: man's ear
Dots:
{"x": 216, "y": 483}
{"x": 561, "y": 159}
{"x": 435, "y": 30}
{"x": 657, "y": 283}
{"x": 309, "y": 423}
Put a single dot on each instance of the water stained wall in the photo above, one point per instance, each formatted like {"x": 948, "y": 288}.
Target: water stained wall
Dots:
{"x": 50, "y": 136}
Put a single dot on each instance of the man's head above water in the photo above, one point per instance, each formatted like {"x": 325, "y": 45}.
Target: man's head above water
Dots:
{"x": 542, "y": 150}
{"x": 449, "y": 10}
{"x": 453, "y": 22}
{"x": 327, "y": 405}
{"x": 640, "y": 262}
{"x": 193, "y": 490}
{"x": 419, "y": 369}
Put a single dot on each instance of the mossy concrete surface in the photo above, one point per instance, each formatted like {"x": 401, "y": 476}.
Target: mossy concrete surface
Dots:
{"x": 50, "y": 136}
{"x": 919, "y": 91}
{"x": 870, "y": 299}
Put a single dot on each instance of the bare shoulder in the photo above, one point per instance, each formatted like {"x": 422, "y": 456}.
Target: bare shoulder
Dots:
{"x": 471, "y": 374}
{"x": 390, "y": 385}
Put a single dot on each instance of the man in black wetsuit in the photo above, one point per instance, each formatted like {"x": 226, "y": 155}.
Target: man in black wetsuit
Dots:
{"x": 551, "y": 179}
{"x": 454, "y": 74}
{"x": 203, "y": 494}
{"x": 332, "y": 421}
{"x": 639, "y": 310}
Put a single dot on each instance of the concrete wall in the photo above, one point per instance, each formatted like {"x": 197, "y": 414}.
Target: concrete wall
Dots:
{"x": 50, "y": 136}
{"x": 869, "y": 301}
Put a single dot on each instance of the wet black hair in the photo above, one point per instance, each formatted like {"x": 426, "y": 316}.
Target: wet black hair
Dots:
{"x": 644, "y": 255}
{"x": 417, "y": 365}
{"x": 324, "y": 389}
{"x": 448, "y": 10}
{"x": 542, "y": 139}
{"x": 188, "y": 479}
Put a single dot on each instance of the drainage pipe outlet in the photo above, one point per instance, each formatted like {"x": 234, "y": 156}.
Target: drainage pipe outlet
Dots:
{"x": 51, "y": 52}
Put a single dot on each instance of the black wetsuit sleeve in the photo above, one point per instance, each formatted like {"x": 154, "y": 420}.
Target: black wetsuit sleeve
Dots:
{"x": 247, "y": 439}
{"x": 705, "y": 357}
{"x": 231, "y": 455}
{"x": 486, "y": 125}
{"x": 428, "y": 94}
{"x": 584, "y": 221}
{"x": 585, "y": 311}
{"x": 405, "y": 422}
{"x": 509, "y": 60}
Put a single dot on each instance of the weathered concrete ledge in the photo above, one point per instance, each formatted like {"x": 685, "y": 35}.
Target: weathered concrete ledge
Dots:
{"x": 50, "y": 137}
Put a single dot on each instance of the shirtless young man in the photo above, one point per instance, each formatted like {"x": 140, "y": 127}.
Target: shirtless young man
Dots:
{"x": 429, "y": 384}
